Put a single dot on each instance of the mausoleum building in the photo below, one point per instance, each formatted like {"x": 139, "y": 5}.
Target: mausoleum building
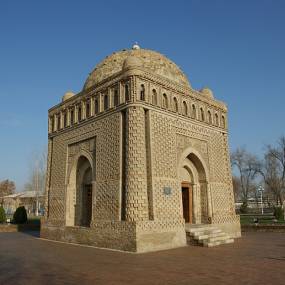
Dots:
{"x": 137, "y": 158}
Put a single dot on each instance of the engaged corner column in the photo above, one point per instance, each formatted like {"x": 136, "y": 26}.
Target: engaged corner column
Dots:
{"x": 195, "y": 214}
{"x": 93, "y": 202}
{"x": 209, "y": 202}
{"x": 136, "y": 174}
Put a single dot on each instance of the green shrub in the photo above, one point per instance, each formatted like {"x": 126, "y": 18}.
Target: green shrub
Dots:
{"x": 2, "y": 215}
{"x": 243, "y": 208}
{"x": 278, "y": 213}
{"x": 20, "y": 216}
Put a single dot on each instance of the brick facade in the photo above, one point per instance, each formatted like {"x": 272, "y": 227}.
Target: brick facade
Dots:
{"x": 142, "y": 130}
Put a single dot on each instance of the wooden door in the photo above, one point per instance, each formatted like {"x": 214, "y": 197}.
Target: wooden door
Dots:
{"x": 187, "y": 202}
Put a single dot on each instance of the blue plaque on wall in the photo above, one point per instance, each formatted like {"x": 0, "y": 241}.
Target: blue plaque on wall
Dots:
{"x": 167, "y": 190}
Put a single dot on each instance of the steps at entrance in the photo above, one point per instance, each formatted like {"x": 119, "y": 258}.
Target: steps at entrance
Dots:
{"x": 206, "y": 235}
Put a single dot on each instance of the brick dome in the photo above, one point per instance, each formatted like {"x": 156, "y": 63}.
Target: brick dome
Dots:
{"x": 149, "y": 60}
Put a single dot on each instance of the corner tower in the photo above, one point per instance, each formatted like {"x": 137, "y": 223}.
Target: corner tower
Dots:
{"x": 135, "y": 156}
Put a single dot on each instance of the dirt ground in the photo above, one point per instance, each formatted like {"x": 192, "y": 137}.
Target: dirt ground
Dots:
{"x": 256, "y": 258}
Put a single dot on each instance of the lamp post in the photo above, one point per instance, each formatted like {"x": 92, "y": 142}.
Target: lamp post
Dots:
{"x": 261, "y": 189}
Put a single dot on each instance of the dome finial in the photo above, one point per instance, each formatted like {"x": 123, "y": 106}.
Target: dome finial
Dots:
{"x": 136, "y": 46}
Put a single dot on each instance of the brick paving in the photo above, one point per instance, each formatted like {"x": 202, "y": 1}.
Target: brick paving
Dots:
{"x": 257, "y": 258}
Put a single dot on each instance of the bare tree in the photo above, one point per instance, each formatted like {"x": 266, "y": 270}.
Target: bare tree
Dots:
{"x": 237, "y": 188}
{"x": 248, "y": 167}
{"x": 37, "y": 176}
{"x": 36, "y": 180}
{"x": 273, "y": 170}
{"x": 7, "y": 187}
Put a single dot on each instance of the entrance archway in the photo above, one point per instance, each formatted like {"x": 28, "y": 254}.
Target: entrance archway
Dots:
{"x": 79, "y": 193}
{"x": 83, "y": 211}
{"x": 194, "y": 189}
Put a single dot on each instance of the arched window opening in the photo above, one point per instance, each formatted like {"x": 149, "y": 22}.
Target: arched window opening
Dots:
{"x": 79, "y": 113}
{"x": 216, "y": 120}
{"x": 116, "y": 97}
{"x": 96, "y": 107}
{"x": 202, "y": 116}
{"x": 106, "y": 102}
{"x": 175, "y": 105}
{"x": 154, "y": 97}
{"x": 127, "y": 92}
{"x": 223, "y": 122}
{"x": 209, "y": 117}
{"x": 184, "y": 110}
{"x": 142, "y": 93}
{"x": 52, "y": 124}
{"x": 65, "y": 120}
{"x": 194, "y": 113}
{"x": 164, "y": 101}
{"x": 58, "y": 122}
{"x": 72, "y": 116}
{"x": 88, "y": 109}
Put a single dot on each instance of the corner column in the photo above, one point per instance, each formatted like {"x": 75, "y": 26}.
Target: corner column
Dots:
{"x": 209, "y": 202}
{"x": 136, "y": 173}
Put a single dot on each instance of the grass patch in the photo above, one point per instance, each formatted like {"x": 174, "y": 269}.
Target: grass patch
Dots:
{"x": 265, "y": 219}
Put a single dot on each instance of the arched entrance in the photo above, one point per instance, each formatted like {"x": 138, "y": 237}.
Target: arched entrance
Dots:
{"x": 79, "y": 194}
{"x": 194, "y": 189}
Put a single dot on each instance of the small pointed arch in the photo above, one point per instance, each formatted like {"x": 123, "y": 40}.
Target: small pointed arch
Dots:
{"x": 209, "y": 117}
{"x": 79, "y": 113}
{"x": 175, "y": 104}
{"x": 127, "y": 92}
{"x": 142, "y": 93}
{"x": 72, "y": 116}
{"x": 116, "y": 97}
{"x": 51, "y": 119}
{"x": 154, "y": 97}
{"x": 88, "y": 113}
{"x": 164, "y": 101}
{"x": 58, "y": 119}
{"x": 65, "y": 119}
{"x": 194, "y": 112}
{"x": 216, "y": 119}
{"x": 223, "y": 121}
{"x": 184, "y": 108}
{"x": 106, "y": 101}
{"x": 96, "y": 105}
{"x": 202, "y": 115}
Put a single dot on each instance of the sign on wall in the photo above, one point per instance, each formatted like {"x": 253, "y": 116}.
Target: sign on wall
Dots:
{"x": 167, "y": 190}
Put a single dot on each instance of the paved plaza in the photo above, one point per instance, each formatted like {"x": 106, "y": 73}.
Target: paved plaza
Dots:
{"x": 257, "y": 258}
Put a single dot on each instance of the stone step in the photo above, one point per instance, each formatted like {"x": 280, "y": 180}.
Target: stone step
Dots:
{"x": 207, "y": 232}
{"x": 201, "y": 229}
{"x": 216, "y": 243}
{"x": 201, "y": 237}
{"x": 206, "y": 235}
{"x": 218, "y": 238}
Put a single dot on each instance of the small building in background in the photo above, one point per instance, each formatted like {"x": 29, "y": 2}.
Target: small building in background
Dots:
{"x": 28, "y": 199}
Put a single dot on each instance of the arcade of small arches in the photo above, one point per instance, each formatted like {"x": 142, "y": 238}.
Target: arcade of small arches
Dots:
{"x": 116, "y": 95}
{"x": 185, "y": 110}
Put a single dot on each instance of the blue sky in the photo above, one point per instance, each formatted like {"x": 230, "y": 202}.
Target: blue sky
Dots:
{"x": 237, "y": 48}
